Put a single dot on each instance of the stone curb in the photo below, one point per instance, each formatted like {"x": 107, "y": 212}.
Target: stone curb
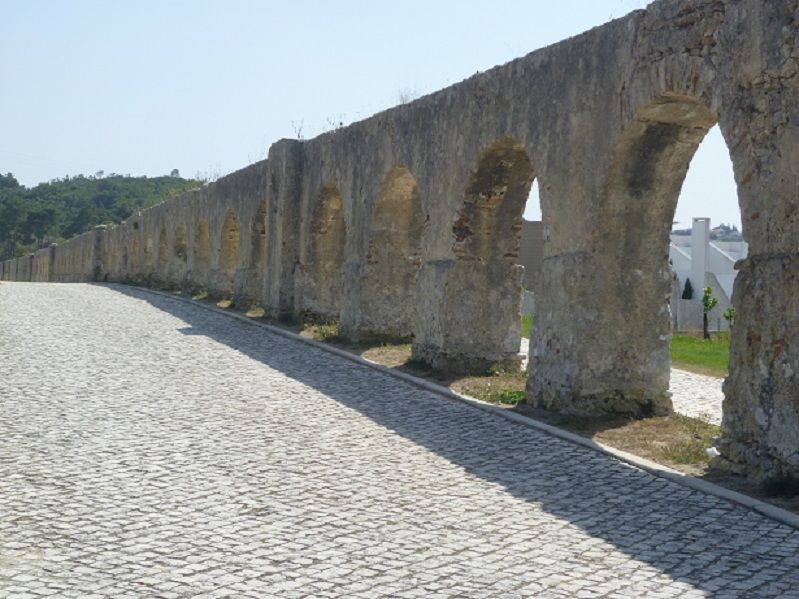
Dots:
{"x": 685, "y": 480}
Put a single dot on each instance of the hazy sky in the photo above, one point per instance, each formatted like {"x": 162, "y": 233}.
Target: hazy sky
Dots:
{"x": 143, "y": 87}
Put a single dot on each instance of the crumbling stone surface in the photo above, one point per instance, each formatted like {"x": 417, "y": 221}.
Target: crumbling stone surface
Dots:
{"x": 607, "y": 122}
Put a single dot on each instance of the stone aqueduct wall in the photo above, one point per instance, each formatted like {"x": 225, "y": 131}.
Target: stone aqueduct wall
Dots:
{"x": 407, "y": 223}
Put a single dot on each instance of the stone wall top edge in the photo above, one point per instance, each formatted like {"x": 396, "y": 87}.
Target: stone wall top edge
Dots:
{"x": 464, "y": 86}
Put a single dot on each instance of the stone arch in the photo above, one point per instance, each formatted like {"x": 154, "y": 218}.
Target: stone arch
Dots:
{"x": 489, "y": 223}
{"x": 180, "y": 248}
{"x": 253, "y": 279}
{"x": 478, "y": 325}
{"x": 116, "y": 256}
{"x": 257, "y": 256}
{"x": 136, "y": 252}
{"x": 163, "y": 253}
{"x": 148, "y": 254}
{"x": 325, "y": 256}
{"x": 229, "y": 252}
{"x": 393, "y": 258}
{"x": 201, "y": 254}
{"x": 621, "y": 285}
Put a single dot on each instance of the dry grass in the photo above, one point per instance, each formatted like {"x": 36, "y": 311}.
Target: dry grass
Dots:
{"x": 391, "y": 355}
{"x": 255, "y": 311}
{"x": 676, "y": 441}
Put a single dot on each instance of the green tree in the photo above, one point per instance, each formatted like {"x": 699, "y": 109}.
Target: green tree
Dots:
{"x": 688, "y": 290}
{"x": 8, "y": 181}
{"x": 34, "y": 217}
{"x": 708, "y": 303}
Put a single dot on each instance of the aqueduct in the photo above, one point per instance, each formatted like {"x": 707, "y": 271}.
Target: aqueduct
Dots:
{"x": 407, "y": 223}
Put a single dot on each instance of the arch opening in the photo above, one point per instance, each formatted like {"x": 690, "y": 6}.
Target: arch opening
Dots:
{"x": 258, "y": 239}
{"x": 488, "y": 226}
{"x": 531, "y": 258}
{"x": 148, "y": 255}
{"x": 181, "y": 248}
{"x": 136, "y": 252}
{"x": 480, "y": 325}
{"x": 646, "y": 261}
{"x": 163, "y": 253}
{"x": 325, "y": 257}
{"x": 201, "y": 254}
{"x": 229, "y": 251}
{"x": 393, "y": 259}
{"x": 706, "y": 239}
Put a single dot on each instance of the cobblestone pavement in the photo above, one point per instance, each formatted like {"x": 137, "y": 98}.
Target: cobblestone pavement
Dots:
{"x": 150, "y": 448}
{"x": 697, "y": 395}
{"x": 692, "y": 394}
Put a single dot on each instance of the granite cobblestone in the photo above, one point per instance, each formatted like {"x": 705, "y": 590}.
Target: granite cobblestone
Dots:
{"x": 150, "y": 448}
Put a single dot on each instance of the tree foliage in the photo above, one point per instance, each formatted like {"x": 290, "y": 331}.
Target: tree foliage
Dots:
{"x": 688, "y": 290}
{"x": 32, "y": 218}
{"x": 708, "y": 303}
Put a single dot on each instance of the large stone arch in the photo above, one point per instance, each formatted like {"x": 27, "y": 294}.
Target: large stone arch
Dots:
{"x": 149, "y": 254}
{"x": 319, "y": 272}
{"x": 256, "y": 257}
{"x": 179, "y": 258}
{"x": 180, "y": 247}
{"x": 163, "y": 254}
{"x": 479, "y": 299}
{"x": 387, "y": 302}
{"x": 229, "y": 254}
{"x": 135, "y": 250}
{"x": 125, "y": 264}
{"x": 201, "y": 254}
{"x": 610, "y": 303}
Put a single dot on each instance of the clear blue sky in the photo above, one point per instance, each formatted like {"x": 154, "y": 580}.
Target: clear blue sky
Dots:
{"x": 143, "y": 87}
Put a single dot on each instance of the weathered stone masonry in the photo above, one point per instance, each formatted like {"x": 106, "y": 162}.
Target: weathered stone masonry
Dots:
{"x": 406, "y": 224}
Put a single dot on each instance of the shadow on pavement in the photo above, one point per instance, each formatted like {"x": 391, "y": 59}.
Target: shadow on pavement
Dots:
{"x": 695, "y": 538}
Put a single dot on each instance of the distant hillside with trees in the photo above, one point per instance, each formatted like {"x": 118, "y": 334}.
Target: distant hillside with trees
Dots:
{"x": 35, "y": 217}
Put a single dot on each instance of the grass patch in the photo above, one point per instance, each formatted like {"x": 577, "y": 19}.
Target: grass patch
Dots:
{"x": 389, "y": 354}
{"x": 255, "y": 311}
{"x": 703, "y": 356}
{"x": 527, "y": 325}
{"x": 677, "y": 441}
{"x": 324, "y": 331}
{"x": 503, "y": 388}
{"x": 200, "y": 295}
{"x": 224, "y": 304}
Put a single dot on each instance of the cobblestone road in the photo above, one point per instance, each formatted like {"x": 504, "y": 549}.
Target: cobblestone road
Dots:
{"x": 149, "y": 448}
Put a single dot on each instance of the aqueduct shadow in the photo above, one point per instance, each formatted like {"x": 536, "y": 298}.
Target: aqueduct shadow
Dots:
{"x": 604, "y": 498}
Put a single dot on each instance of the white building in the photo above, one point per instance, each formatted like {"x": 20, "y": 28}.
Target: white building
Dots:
{"x": 705, "y": 263}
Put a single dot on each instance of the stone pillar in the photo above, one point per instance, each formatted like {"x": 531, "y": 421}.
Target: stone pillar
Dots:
{"x": 593, "y": 351}
{"x": 468, "y": 316}
{"x": 283, "y": 203}
{"x": 761, "y": 407}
